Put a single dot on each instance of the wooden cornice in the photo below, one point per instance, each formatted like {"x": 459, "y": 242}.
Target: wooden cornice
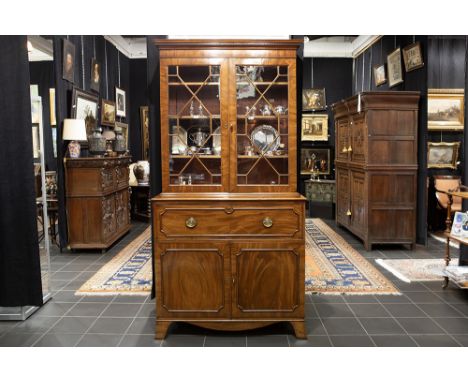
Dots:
{"x": 226, "y": 44}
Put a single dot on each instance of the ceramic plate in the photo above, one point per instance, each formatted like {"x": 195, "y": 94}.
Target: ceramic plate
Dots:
{"x": 265, "y": 138}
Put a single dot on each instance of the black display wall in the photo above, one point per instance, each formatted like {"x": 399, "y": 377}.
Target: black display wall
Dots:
{"x": 139, "y": 92}
{"x": 415, "y": 80}
{"x": 41, "y": 73}
{"x": 20, "y": 273}
{"x": 114, "y": 72}
{"x": 335, "y": 75}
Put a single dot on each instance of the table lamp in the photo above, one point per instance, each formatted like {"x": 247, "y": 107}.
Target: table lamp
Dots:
{"x": 74, "y": 130}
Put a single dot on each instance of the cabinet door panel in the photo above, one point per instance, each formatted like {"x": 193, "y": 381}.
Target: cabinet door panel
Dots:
{"x": 193, "y": 280}
{"x": 358, "y": 200}
{"x": 342, "y": 195}
{"x": 358, "y": 140}
{"x": 262, "y": 104}
{"x": 342, "y": 138}
{"x": 268, "y": 279}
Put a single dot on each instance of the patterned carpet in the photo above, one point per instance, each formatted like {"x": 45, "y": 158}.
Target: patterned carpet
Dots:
{"x": 332, "y": 267}
{"x": 409, "y": 270}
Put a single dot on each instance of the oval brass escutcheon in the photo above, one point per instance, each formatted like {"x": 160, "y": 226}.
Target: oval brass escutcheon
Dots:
{"x": 267, "y": 222}
{"x": 191, "y": 222}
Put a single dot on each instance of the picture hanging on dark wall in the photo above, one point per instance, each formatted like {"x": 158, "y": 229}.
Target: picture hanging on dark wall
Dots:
{"x": 120, "y": 102}
{"x": 412, "y": 57}
{"x": 95, "y": 75}
{"x": 313, "y": 99}
{"x": 315, "y": 161}
{"x": 314, "y": 127}
{"x": 68, "y": 65}
{"x": 395, "y": 72}
{"x": 108, "y": 113}
{"x": 144, "y": 120}
{"x": 442, "y": 154}
{"x": 379, "y": 75}
{"x": 445, "y": 109}
{"x": 85, "y": 106}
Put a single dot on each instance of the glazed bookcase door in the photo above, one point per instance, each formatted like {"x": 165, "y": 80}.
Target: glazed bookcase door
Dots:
{"x": 194, "y": 141}
{"x": 262, "y": 117}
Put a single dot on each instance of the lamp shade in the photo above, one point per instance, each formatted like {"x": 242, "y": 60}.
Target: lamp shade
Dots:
{"x": 74, "y": 130}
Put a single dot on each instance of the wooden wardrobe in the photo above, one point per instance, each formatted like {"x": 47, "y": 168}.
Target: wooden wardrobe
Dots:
{"x": 376, "y": 166}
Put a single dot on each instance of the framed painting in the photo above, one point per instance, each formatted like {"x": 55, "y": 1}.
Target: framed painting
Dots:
{"x": 412, "y": 57}
{"x": 395, "y": 72}
{"x": 124, "y": 128}
{"x": 315, "y": 161}
{"x": 379, "y": 75}
{"x": 144, "y": 121}
{"x": 314, "y": 127}
{"x": 53, "y": 117}
{"x": 313, "y": 99}
{"x": 95, "y": 75}
{"x": 107, "y": 113}
{"x": 68, "y": 61}
{"x": 120, "y": 102}
{"x": 442, "y": 154}
{"x": 85, "y": 106}
{"x": 445, "y": 109}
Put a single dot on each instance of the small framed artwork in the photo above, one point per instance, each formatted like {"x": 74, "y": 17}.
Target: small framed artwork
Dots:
{"x": 395, "y": 72}
{"x": 121, "y": 102}
{"x": 85, "y": 106}
{"x": 315, "y": 161}
{"x": 314, "y": 127}
{"x": 95, "y": 75}
{"x": 107, "y": 113}
{"x": 124, "y": 128}
{"x": 445, "y": 109}
{"x": 144, "y": 120}
{"x": 313, "y": 99}
{"x": 379, "y": 75}
{"x": 412, "y": 57}
{"x": 442, "y": 154}
{"x": 68, "y": 64}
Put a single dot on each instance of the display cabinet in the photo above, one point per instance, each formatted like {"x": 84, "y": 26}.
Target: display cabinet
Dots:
{"x": 229, "y": 224}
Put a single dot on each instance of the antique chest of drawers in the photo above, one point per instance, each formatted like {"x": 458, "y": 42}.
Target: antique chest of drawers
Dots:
{"x": 97, "y": 198}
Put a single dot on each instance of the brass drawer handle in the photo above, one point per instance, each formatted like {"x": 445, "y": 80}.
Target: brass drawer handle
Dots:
{"x": 350, "y": 149}
{"x": 191, "y": 222}
{"x": 348, "y": 213}
{"x": 345, "y": 150}
{"x": 267, "y": 222}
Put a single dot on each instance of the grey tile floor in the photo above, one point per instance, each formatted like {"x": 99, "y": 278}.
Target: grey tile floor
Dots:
{"x": 424, "y": 315}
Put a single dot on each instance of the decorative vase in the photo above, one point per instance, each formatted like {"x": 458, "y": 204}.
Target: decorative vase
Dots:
{"x": 142, "y": 172}
{"x": 120, "y": 145}
{"x": 74, "y": 149}
{"x": 97, "y": 143}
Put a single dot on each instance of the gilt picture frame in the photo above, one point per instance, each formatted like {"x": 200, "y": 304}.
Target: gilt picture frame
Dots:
{"x": 314, "y": 127}
{"x": 380, "y": 75}
{"x": 394, "y": 68}
{"x": 445, "y": 109}
{"x": 85, "y": 106}
{"x": 315, "y": 161}
{"x": 314, "y": 99}
{"x": 144, "y": 124}
{"x": 412, "y": 57}
{"x": 442, "y": 154}
{"x": 107, "y": 112}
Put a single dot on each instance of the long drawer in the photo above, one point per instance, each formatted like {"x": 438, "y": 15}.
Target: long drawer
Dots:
{"x": 233, "y": 220}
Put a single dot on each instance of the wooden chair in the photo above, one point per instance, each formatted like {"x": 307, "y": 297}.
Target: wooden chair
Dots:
{"x": 444, "y": 184}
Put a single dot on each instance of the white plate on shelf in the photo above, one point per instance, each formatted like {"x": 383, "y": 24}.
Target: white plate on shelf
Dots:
{"x": 265, "y": 138}
{"x": 179, "y": 140}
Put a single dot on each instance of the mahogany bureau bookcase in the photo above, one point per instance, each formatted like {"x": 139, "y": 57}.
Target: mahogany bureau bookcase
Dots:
{"x": 376, "y": 166}
{"x": 228, "y": 226}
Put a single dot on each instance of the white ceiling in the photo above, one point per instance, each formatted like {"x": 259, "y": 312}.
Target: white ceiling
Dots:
{"x": 41, "y": 49}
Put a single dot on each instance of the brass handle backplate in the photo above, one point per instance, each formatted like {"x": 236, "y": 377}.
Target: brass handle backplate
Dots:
{"x": 191, "y": 222}
{"x": 348, "y": 213}
{"x": 345, "y": 150}
{"x": 267, "y": 222}
{"x": 350, "y": 149}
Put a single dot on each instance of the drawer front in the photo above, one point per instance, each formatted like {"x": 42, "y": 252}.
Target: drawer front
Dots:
{"x": 233, "y": 221}
{"x": 122, "y": 174}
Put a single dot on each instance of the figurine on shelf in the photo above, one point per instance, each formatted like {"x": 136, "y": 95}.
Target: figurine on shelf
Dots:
{"x": 266, "y": 110}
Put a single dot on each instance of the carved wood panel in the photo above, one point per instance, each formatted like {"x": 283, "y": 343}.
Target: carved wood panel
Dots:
{"x": 267, "y": 279}
{"x": 358, "y": 202}
{"x": 107, "y": 178}
{"x": 342, "y": 138}
{"x": 342, "y": 195}
{"x": 358, "y": 144}
{"x": 121, "y": 209}
{"x": 108, "y": 216}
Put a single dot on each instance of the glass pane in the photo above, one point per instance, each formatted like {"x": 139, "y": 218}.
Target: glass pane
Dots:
{"x": 262, "y": 124}
{"x": 194, "y": 125}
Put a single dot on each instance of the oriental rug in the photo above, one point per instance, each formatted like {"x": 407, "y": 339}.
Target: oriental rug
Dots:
{"x": 409, "y": 270}
{"x": 127, "y": 273}
{"x": 335, "y": 267}
{"x": 332, "y": 267}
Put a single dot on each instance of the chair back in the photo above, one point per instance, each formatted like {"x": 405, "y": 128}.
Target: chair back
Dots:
{"x": 447, "y": 183}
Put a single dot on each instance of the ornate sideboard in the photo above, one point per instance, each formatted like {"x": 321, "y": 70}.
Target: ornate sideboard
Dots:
{"x": 97, "y": 197}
